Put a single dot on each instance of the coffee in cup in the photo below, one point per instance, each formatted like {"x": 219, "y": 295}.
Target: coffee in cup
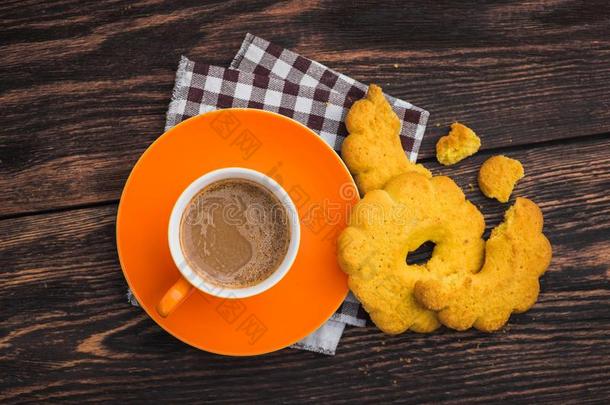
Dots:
{"x": 234, "y": 233}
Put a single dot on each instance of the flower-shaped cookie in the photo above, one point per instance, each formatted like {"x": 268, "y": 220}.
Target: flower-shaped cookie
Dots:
{"x": 516, "y": 255}
{"x": 386, "y": 225}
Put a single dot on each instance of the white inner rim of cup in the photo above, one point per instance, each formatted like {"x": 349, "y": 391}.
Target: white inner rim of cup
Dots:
{"x": 186, "y": 197}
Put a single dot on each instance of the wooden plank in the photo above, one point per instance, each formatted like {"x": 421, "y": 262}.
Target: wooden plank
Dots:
{"x": 84, "y": 86}
{"x": 67, "y": 332}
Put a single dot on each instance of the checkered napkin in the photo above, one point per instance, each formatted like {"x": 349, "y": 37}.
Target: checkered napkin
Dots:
{"x": 266, "y": 76}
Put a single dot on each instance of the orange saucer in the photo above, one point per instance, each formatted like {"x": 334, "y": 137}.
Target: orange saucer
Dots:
{"x": 320, "y": 187}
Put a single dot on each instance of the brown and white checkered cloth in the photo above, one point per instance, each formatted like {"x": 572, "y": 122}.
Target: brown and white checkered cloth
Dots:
{"x": 266, "y": 76}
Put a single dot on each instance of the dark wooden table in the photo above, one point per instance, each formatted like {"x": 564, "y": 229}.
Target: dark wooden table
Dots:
{"x": 84, "y": 87}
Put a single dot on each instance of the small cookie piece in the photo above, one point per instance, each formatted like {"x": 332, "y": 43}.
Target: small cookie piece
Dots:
{"x": 388, "y": 224}
{"x": 372, "y": 150}
{"x": 460, "y": 143}
{"x": 498, "y": 176}
{"x": 516, "y": 255}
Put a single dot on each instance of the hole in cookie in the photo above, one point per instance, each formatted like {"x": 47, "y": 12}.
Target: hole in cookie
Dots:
{"x": 422, "y": 254}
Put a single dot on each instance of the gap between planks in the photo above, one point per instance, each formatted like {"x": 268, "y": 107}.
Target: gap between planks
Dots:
{"x": 491, "y": 151}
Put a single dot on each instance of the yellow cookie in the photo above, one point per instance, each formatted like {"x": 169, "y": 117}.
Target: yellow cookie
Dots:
{"x": 460, "y": 143}
{"x": 403, "y": 208}
{"x": 372, "y": 150}
{"x": 388, "y": 224}
{"x": 498, "y": 176}
{"x": 516, "y": 255}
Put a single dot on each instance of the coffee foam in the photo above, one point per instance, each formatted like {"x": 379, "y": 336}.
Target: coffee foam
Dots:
{"x": 234, "y": 233}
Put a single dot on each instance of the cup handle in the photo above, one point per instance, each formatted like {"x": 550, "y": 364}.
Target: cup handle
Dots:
{"x": 174, "y": 296}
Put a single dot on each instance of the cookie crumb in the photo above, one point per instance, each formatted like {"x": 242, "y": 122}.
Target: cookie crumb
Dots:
{"x": 498, "y": 176}
{"x": 460, "y": 143}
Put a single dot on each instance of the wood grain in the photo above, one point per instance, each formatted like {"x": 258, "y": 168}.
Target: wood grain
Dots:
{"x": 84, "y": 85}
{"x": 67, "y": 332}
